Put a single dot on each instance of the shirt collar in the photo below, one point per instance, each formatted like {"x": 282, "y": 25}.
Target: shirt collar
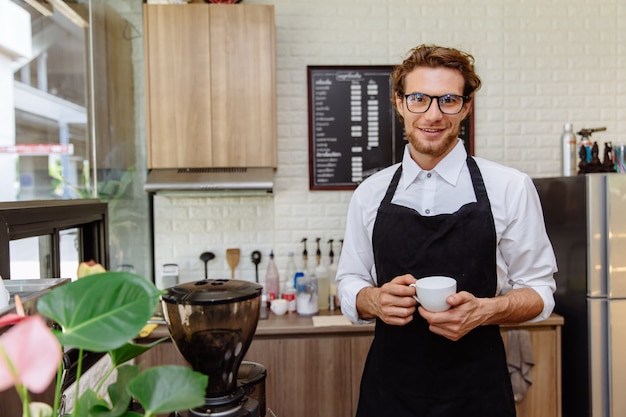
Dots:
{"x": 449, "y": 168}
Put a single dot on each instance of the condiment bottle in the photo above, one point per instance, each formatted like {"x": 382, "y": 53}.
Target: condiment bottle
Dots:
{"x": 272, "y": 279}
{"x": 569, "y": 151}
{"x": 323, "y": 285}
{"x": 306, "y": 299}
{"x": 290, "y": 272}
{"x": 332, "y": 274}
{"x": 289, "y": 288}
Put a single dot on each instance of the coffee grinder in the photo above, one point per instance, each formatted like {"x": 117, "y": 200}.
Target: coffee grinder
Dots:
{"x": 212, "y": 323}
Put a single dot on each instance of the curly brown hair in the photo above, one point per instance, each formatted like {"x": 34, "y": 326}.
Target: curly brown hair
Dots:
{"x": 433, "y": 56}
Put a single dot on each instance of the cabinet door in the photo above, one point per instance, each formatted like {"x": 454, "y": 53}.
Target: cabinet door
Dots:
{"x": 210, "y": 85}
{"x": 306, "y": 376}
{"x": 317, "y": 372}
{"x": 243, "y": 85}
{"x": 268, "y": 353}
{"x": 544, "y": 395}
{"x": 178, "y": 85}
{"x": 360, "y": 348}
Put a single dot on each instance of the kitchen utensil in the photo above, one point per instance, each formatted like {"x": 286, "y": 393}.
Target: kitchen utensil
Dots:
{"x": 206, "y": 257}
{"x": 232, "y": 257}
{"x": 256, "y": 260}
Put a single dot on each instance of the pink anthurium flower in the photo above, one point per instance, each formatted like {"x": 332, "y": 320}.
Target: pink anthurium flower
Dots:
{"x": 9, "y": 319}
{"x": 29, "y": 355}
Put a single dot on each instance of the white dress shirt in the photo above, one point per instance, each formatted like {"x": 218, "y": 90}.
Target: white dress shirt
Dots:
{"x": 525, "y": 258}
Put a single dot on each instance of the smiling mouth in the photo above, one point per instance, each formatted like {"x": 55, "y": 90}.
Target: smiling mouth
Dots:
{"x": 431, "y": 130}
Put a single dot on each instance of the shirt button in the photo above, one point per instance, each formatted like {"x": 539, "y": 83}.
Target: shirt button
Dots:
{"x": 427, "y": 210}
{"x": 429, "y": 175}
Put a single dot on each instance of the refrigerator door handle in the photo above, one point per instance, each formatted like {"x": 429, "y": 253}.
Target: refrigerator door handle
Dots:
{"x": 599, "y": 374}
{"x": 616, "y": 236}
{"x": 596, "y": 235}
{"x": 616, "y": 357}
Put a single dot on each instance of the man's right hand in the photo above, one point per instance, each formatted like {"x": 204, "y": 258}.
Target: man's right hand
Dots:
{"x": 393, "y": 303}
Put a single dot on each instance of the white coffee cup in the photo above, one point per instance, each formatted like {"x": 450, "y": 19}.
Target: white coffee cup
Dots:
{"x": 431, "y": 292}
{"x": 279, "y": 306}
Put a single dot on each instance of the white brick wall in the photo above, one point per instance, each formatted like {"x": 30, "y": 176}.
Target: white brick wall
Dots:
{"x": 542, "y": 64}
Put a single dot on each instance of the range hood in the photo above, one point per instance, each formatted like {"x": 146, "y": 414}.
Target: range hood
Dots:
{"x": 258, "y": 180}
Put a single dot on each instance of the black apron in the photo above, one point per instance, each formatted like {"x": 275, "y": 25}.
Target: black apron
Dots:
{"x": 410, "y": 371}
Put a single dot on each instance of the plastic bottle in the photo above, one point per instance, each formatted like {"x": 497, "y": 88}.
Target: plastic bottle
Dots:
{"x": 289, "y": 283}
{"x": 323, "y": 285}
{"x": 332, "y": 274}
{"x": 290, "y": 272}
{"x": 272, "y": 279}
{"x": 307, "y": 298}
{"x": 569, "y": 151}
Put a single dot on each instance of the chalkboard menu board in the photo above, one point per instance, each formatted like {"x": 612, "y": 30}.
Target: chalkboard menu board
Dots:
{"x": 353, "y": 129}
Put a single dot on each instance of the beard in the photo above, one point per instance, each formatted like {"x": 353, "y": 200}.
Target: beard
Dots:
{"x": 434, "y": 149}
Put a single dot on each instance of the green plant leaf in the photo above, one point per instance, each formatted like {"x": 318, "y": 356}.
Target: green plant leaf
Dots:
{"x": 130, "y": 351}
{"x": 168, "y": 388}
{"x": 119, "y": 396}
{"x": 100, "y": 312}
{"x": 87, "y": 402}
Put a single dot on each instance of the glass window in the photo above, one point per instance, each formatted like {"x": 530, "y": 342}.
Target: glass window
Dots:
{"x": 70, "y": 116}
{"x": 30, "y": 257}
{"x": 69, "y": 250}
{"x": 49, "y": 148}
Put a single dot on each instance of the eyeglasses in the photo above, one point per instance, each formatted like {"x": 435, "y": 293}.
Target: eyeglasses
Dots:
{"x": 448, "y": 103}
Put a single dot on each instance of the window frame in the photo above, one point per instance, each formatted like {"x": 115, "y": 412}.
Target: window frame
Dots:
{"x": 25, "y": 219}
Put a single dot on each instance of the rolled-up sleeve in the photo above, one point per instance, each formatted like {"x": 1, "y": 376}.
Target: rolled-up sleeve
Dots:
{"x": 355, "y": 270}
{"x": 525, "y": 254}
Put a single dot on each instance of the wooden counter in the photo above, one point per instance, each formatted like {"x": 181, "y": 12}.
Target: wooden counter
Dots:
{"x": 316, "y": 371}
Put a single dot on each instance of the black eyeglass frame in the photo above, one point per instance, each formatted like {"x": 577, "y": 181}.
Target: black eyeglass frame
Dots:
{"x": 406, "y": 96}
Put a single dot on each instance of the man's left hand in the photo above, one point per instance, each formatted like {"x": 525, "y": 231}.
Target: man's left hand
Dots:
{"x": 468, "y": 312}
{"x": 460, "y": 319}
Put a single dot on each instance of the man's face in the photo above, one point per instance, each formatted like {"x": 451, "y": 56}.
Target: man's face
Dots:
{"x": 432, "y": 134}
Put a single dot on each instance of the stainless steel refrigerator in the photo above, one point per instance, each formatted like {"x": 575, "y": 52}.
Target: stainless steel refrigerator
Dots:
{"x": 586, "y": 222}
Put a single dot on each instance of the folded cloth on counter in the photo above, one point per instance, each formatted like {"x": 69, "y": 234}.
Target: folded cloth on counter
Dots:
{"x": 520, "y": 360}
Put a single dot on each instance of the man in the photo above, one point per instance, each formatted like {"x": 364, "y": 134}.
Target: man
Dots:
{"x": 442, "y": 212}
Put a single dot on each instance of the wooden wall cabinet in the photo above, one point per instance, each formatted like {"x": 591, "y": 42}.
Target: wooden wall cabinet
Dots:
{"x": 210, "y": 85}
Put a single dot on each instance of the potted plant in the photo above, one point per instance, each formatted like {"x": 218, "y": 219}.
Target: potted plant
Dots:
{"x": 103, "y": 312}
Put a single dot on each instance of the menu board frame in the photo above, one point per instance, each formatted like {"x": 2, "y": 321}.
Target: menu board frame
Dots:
{"x": 391, "y": 129}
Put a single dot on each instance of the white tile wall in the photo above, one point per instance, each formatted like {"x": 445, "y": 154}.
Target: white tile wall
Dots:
{"x": 542, "y": 64}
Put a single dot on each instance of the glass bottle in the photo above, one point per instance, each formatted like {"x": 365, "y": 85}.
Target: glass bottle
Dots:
{"x": 272, "y": 279}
